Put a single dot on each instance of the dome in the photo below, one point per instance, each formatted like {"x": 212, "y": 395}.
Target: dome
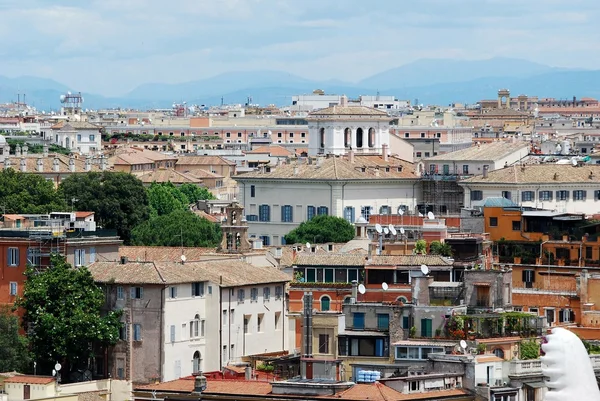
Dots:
{"x": 2, "y": 140}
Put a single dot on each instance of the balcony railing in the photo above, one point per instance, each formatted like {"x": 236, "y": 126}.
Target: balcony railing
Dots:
{"x": 528, "y": 367}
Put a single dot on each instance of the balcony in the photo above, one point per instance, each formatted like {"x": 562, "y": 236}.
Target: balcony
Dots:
{"x": 525, "y": 368}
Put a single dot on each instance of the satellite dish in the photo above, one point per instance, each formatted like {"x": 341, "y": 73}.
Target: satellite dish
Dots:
{"x": 57, "y": 367}
{"x": 430, "y": 216}
{"x": 424, "y": 269}
{"x": 420, "y": 214}
{"x": 401, "y": 230}
{"x": 378, "y": 228}
{"x": 361, "y": 288}
{"x": 386, "y": 230}
{"x": 463, "y": 344}
{"x": 308, "y": 245}
{"x": 392, "y": 229}
{"x": 400, "y": 212}
{"x": 385, "y": 286}
{"x": 574, "y": 162}
{"x": 183, "y": 258}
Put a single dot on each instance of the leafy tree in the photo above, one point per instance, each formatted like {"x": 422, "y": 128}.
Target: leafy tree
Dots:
{"x": 14, "y": 355}
{"x": 177, "y": 228}
{"x": 195, "y": 193}
{"x": 321, "y": 229}
{"x": 438, "y": 248}
{"x": 420, "y": 247}
{"x": 63, "y": 315}
{"x": 165, "y": 198}
{"x": 529, "y": 349}
{"x": 119, "y": 200}
{"x": 28, "y": 193}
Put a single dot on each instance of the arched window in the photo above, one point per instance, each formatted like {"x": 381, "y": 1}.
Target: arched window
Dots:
{"x": 194, "y": 327}
{"x": 325, "y": 303}
{"x": 371, "y": 137}
{"x": 196, "y": 362}
{"x": 347, "y": 138}
{"x": 347, "y": 300}
{"x": 322, "y": 138}
{"x": 499, "y": 352}
{"x": 402, "y": 299}
{"x": 359, "y": 137}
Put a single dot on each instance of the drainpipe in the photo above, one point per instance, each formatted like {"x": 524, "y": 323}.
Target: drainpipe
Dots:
{"x": 162, "y": 332}
{"x": 229, "y": 313}
{"x": 221, "y": 326}
{"x": 330, "y": 198}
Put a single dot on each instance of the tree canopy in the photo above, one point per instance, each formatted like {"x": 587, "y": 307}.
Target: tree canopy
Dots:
{"x": 28, "y": 193}
{"x": 439, "y": 248}
{"x": 119, "y": 200}
{"x": 321, "y": 229}
{"x": 195, "y": 193}
{"x": 14, "y": 354}
{"x": 165, "y": 198}
{"x": 177, "y": 228}
{"x": 63, "y": 315}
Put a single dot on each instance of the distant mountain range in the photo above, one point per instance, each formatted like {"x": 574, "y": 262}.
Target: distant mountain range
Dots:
{"x": 431, "y": 81}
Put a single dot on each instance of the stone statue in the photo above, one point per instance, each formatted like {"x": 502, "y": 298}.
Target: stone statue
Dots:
{"x": 566, "y": 363}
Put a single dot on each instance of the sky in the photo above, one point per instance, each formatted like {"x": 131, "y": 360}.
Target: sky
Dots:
{"x": 109, "y": 47}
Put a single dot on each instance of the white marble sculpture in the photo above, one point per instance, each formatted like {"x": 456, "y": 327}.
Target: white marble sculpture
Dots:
{"x": 567, "y": 365}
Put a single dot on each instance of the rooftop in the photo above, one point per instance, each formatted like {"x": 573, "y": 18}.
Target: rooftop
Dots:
{"x": 169, "y": 175}
{"x": 365, "y": 167}
{"x": 487, "y": 151}
{"x": 32, "y": 163}
{"x": 163, "y": 253}
{"x": 204, "y": 161}
{"x": 26, "y": 379}
{"x": 348, "y": 111}
{"x": 74, "y": 125}
{"x": 540, "y": 174}
{"x": 273, "y": 150}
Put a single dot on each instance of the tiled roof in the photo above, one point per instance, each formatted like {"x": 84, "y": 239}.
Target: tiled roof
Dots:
{"x": 365, "y": 167}
{"x": 31, "y": 163}
{"x": 371, "y": 392}
{"x": 409, "y": 260}
{"x": 541, "y": 174}
{"x": 489, "y": 151}
{"x": 74, "y": 125}
{"x": 162, "y": 253}
{"x": 209, "y": 217}
{"x": 348, "y": 111}
{"x": 82, "y": 215}
{"x": 186, "y": 385}
{"x": 138, "y": 157}
{"x": 228, "y": 272}
{"x": 307, "y": 259}
{"x": 169, "y": 175}
{"x": 204, "y": 161}
{"x": 273, "y": 150}
{"x": 498, "y": 202}
{"x": 91, "y": 396}
{"x": 30, "y": 379}
{"x": 200, "y": 172}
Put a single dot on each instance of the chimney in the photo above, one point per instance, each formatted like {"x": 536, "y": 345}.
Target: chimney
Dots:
{"x": 343, "y": 101}
{"x": 248, "y": 373}
{"x": 377, "y": 171}
{"x": 199, "y": 383}
{"x": 24, "y": 150}
{"x": 124, "y": 260}
{"x": 56, "y": 165}
{"x": 23, "y": 166}
{"x": 102, "y": 163}
{"x": 555, "y": 176}
{"x": 295, "y": 170}
{"x": 351, "y": 156}
{"x": 88, "y": 163}
{"x": 40, "y": 164}
{"x": 45, "y": 150}
{"x": 354, "y": 292}
{"x": 485, "y": 171}
{"x": 384, "y": 152}
{"x": 72, "y": 163}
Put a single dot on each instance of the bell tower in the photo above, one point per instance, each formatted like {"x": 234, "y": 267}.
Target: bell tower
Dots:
{"x": 235, "y": 230}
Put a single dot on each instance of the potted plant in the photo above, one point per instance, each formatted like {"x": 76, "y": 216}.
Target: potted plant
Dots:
{"x": 481, "y": 349}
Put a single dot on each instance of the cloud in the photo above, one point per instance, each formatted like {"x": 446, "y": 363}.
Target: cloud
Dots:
{"x": 111, "y": 46}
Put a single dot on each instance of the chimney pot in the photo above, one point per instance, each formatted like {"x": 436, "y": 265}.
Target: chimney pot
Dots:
{"x": 384, "y": 152}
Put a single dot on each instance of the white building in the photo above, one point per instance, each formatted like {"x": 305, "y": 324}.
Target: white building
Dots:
{"x": 182, "y": 318}
{"x": 279, "y": 200}
{"x": 559, "y": 187}
{"x": 321, "y": 101}
{"x": 78, "y": 136}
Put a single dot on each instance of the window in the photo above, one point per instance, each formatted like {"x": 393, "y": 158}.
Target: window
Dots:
{"x": 231, "y": 315}
{"x": 259, "y": 322}
{"x": 246, "y": 324}
{"x": 545, "y": 195}
{"x": 596, "y": 195}
{"x": 527, "y": 196}
{"x": 253, "y": 294}
{"x": 137, "y": 292}
{"x": 197, "y": 289}
{"x": 78, "y": 137}
{"x": 310, "y": 212}
{"x": 588, "y": 252}
{"x": 172, "y": 333}
{"x": 92, "y": 255}
{"x": 287, "y": 214}
{"x": 13, "y": 256}
{"x": 241, "y": 295}
{"x": 385, "y": 210}
{"x": 407, "y": 134}
{"x": 419, "y": 154}
{"x": 383, "y": 321}
{"x": 579, "y": 195}
{"x": 349, "y": 214}
{"x": 325, "y": 303}
{"x": 92, "y": 138}
{"x": 427, "y": 154}
{"x": 13, "y": 288}
{"x": 476, "y": 195}
{"x": 323, "y": 343}
{"x": 365, "y": 212}
{"x": 137, "y": 332}
{"x": 426, "y": 325}
{"x": 202, "y": 325}
{"x": 323, "y": 211}
{"x": 506, "y": 194}
{"x": 528, "y": 278}
{"x": 266, "y": 294}
{"x": 264, "y": 213}
{"x": 172, "y": 292}
{"x": 196, "y": 362}
{"x": 79, "y": 257}
{"x": 266, "y": 240}
{"x": 194, "y": 327}
{"x": 516, "y": 225}
{"x": 252, "y": 191}
{"x": 465, "y": 169}
{"x": 358, "y": 320}
{"x": 120, "y": 293}
{"x": 224, "y": 319}
{"x": 562, "y": 195}
{"x": 277, "y": 320}
{"x": 493, "y": 222}
{"x": 278, "y": 292}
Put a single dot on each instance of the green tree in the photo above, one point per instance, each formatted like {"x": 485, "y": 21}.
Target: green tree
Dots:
{"x": 177, "y": 228}
{"x": 119, "y": 200}
{"x": 28, "y": 193}
{"x": 321, "y": 229}
{"x": 165, "y": 198}
{"x": 529, "y": 349}
{"x": 63, "y": 315}
{"x": 420, "y": 247}
{"x": 14, "y": 354}
{"x": 195, "y": 193}
{"x": 439, "y": 248}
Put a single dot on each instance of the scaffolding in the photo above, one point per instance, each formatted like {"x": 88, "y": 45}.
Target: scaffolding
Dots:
{"x": 46, "y": 238}
{"x": 442, "y": 195}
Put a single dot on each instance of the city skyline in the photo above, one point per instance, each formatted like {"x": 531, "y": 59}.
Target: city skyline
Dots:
{"x": 110, "y": 48}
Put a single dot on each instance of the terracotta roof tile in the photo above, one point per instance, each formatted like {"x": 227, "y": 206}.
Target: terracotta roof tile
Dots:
{"x": 162, "y": 253}
{"x": 273, "y": 150}
{"x": 348, "y": 111}
{"x": 30, "y": 379}
{"x": 169, "y": 175}
{"x": 31, "y": 163}
{"x": 409, "y": 260}
{"x": 200, "y": 172}
{"x": 365, "y": 167}
{"x": 77, "y": 125}
{"x": 82, "y": 215}
{"x": 489, "y": 151}
{"x": 186, "y": 385}
{"x": 204, "y": 161}
{"x": 338, "y": 259}
{"x": 540, "y": 174}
